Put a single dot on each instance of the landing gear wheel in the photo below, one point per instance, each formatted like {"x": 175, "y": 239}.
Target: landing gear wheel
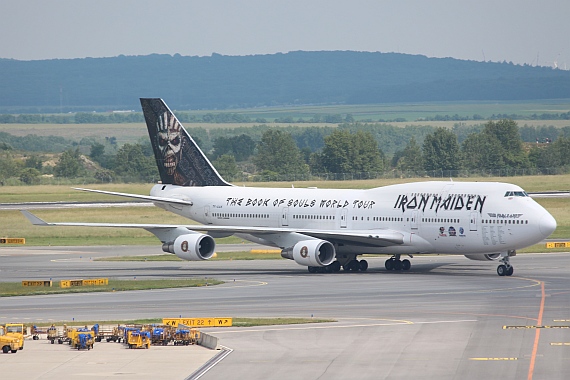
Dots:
{"x": 397, "y": 265}
{"x": 510, "y": 271}
{"x": 312, "y": 269}
{"x": 389, "y": 264}
{"x": 354, "y": 266}
{"x": 335, "y": 266}
{"x": 363, "y": 265}
{"x": 406, "y": 264}
{"x": 501, "y": 270}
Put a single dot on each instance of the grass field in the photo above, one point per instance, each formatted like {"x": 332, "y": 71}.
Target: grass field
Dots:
{"x": 236, "y": 322}
{"x": 412, "y": 113}
{"x": 15, "y": 225}
{"x": 9, "y": 289}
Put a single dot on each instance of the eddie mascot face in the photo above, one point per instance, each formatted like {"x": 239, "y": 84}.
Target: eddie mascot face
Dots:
{"x": 169, "y": 141}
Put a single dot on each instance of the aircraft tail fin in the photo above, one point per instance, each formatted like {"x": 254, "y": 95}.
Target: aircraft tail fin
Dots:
{"x": 180, "y": 161}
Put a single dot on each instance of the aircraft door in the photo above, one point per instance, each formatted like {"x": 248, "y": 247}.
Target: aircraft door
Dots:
{"x": 343, "y": 218}
{"x": 207, "y": 215}
{"x": 414, "y": 220}
{"x": 473, "y": 221}
{"x": 285, "y": 217}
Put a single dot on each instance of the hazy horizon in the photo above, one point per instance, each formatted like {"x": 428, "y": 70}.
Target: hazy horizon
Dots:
{"x": 522, "y": 32}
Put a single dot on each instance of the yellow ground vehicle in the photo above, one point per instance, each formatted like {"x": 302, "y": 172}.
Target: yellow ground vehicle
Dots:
{"x": 83, "y": 339}
{"x": 10, "y": 343}
{"x": 53, "y": 334}
{"x": 16, "y": 330}
{"x": 138, "y": 339}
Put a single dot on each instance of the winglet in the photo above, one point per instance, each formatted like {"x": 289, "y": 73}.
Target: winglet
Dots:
{"x": 34, "y": 219}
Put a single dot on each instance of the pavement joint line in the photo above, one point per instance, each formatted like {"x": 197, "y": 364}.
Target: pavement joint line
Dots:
{"x": 332, "y": 326}
{"x": 225, "y": 351}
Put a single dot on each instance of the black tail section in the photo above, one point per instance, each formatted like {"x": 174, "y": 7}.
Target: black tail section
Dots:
{"x": 180, "y": 161}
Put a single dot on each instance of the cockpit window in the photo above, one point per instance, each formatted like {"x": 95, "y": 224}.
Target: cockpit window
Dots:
{"x": 516, "y": 194}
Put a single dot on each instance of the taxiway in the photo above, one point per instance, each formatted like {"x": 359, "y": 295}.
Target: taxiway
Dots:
{"x": 447, "y": 318}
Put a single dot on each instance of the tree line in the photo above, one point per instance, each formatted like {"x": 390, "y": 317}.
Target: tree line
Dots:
{"x": 350, "y": 148}
{"x": 232, "y": 117}
{"x": 226, "y": 82}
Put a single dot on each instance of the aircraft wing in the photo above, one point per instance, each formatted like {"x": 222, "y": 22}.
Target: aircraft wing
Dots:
{"x": 185, "y": 202}
{"x": 370, "y": 238}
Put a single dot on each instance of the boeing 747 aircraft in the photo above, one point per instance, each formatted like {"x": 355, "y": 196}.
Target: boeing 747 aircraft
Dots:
{"x": 326, "y": 229}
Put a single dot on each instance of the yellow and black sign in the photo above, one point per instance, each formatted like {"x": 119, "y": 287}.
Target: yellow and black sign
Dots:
{"x": 91, "y": 282}
{"x": 96, "y": 281}
{"x": 36, "y": 283}
{"x": 12, "y": 241}
{"x": 198, "y": 322}
{"x": 558, "y": 244}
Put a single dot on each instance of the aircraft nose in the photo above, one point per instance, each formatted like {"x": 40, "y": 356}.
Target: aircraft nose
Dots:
{"x": 547, "y": 224}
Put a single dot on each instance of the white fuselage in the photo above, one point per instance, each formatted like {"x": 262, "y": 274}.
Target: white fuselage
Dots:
{"x": 443, "y": 217}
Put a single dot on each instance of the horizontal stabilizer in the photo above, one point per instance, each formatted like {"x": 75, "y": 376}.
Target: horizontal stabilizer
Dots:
{"x": 34, "y": 219}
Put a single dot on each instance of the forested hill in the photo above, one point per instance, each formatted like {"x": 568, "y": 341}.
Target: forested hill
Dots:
{"x": 219, "y": 81}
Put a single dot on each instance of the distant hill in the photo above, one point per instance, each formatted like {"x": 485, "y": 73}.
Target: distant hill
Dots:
{"x": 326, "y": 77}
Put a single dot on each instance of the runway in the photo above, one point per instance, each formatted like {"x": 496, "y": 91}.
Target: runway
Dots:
{"x": 442, "y": 320}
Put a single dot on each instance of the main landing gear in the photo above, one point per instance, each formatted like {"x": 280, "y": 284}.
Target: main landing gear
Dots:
{"x": 394, "y": 263}
{"x": 350, "y": 266}
{"x": 505, "y": 269}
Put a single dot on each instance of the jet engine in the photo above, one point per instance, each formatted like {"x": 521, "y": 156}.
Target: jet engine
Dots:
{"x": 192, "y": 247}
{"x": 484, "y": 257}
{"x": 312, "y": 253}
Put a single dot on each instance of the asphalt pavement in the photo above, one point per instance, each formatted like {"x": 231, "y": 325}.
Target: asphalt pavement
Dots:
{"x": 447, "y": 318}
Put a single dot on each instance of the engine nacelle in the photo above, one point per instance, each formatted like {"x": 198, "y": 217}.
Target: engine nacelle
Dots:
{"x": 312, "y": 253}
{"x": 192, "y": 247}
{"x": 484, "y": 257}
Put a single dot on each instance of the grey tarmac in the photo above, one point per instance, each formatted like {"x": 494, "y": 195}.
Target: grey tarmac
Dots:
{"x": 443, "y": 319}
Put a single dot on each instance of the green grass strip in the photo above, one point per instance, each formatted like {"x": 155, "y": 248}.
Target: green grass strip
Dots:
{"x": 10, "y": 289}
{"x": 237, "y": 322}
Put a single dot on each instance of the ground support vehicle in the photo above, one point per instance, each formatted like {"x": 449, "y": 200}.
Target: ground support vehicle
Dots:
{"x": 10, "y": 343}
{"x": 68, "y": 334}
{"x": 159, "y": 336}
{"x": 16, "y": 330}
{"x": 117, "y": 335}
{"x": 138, "y": 339}
{"x": 107, "y": 333}
{"x": 82, "y": 340}
{"x": 185, "y": 337}
{"x": 37, "y": 331}
{"x": 53, "y": 334}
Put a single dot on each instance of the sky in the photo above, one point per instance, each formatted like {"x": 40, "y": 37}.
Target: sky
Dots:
{"x": 519, "y": 31}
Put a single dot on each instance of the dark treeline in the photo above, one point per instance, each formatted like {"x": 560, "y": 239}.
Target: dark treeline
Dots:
{"x": 230, "y": 117}
{"x": 225, "y": 82}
